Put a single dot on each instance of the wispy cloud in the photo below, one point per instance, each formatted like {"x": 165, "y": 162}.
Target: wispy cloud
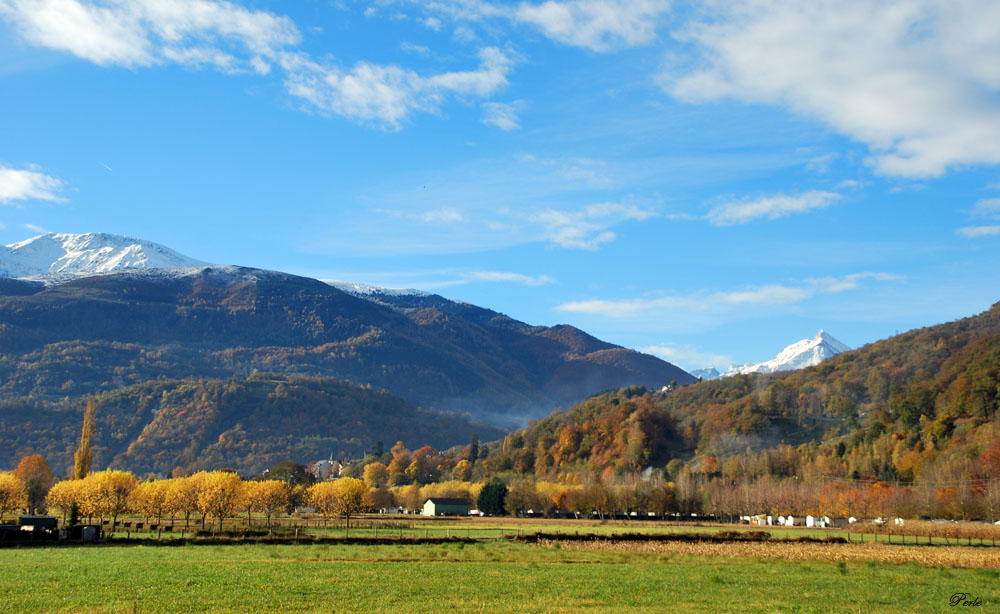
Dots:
{"x": 770, "y": 207}
{"x": 443, "y": 215}
{"x": 588, "y": 227}
{"x": 432, "y": 280}
{"x": 412, "y": 48}
{"x": 979, "y": 231}
{"x": 987, "y": 207}
{"x": 29, "y": 184}
{"x": 688, "y": 357}
{"x": 502, "y": 115}
{"x": 704, "y": 301}
{"x": 34, "y": 228}
{"x": 834, "y": 285}
{"x": 506, "y": 276}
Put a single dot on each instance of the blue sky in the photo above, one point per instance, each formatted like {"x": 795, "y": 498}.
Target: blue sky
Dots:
{"x": 707, "y": 182}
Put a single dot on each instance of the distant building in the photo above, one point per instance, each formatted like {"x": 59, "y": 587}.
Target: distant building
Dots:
{"x": 444, "y": 506}
{"x": 324, "y": 470}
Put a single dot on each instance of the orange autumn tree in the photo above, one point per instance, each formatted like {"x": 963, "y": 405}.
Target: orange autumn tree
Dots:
{"x": 37, "y": 477}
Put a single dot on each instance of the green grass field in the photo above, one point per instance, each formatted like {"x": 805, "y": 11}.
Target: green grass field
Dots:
{"x": 491, "y": 576}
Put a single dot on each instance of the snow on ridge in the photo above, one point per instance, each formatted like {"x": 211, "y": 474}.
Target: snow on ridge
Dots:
{"x": 75, "y": 255}
{"x": 799, "y": 355}
{"x": 368, "y": 290}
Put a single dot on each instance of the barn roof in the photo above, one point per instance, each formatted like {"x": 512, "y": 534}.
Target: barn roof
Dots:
{"x": 447, "y": 501}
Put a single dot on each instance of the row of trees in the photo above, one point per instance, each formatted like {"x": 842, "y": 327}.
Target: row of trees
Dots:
{"x": 216, "y": 494}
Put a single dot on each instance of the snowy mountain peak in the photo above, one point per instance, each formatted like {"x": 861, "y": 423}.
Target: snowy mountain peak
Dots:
{"x": 75, "y": 255}
{"x": 798, "y": 355}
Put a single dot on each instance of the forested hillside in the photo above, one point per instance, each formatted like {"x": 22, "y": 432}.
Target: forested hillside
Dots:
{"x": 246, "y": 423}
{"x": 919, "y": 407}
{"x": 98, "y": 333}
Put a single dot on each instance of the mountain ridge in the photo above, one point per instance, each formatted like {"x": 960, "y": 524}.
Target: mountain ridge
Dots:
{"x": 219, "y": 321}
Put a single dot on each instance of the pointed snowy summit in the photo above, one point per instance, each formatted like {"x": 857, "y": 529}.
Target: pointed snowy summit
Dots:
{"x": 77, "y": 255}
{"x": 799, "y": 355}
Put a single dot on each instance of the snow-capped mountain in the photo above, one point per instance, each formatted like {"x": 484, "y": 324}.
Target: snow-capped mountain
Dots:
{"x": 798, "y": 355}
{"x": 75, "y": 255}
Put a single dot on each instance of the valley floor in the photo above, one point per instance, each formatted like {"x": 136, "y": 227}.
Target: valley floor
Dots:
{"x": 495, "y": 576}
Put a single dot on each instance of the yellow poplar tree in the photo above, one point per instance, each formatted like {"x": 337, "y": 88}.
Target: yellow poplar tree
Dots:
{"x": 13, "y": 494}
{"x": 219, "y": 494}
{"x": 63, "y": 495}
{"x": 151, "y": 499}
{"x": 111, "y": 491}
{"x": 182, "y": 496}
{"x": 82, "y": 459}
{"x": 268, "y": 497}
{"x": 349, "y": 497}
{"x": 321, "y": 496}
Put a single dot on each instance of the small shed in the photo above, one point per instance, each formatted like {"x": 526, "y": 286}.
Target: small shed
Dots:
{"x": 445, "y": 506}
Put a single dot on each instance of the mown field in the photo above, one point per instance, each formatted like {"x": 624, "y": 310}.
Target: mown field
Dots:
{"x": 488, "y": 576}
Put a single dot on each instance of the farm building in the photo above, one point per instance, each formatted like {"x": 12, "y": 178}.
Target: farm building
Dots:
{"x": 442, "y": 506}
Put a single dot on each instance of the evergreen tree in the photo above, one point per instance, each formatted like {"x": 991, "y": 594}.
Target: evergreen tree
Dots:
{"x": 492, "y": 498}
{"x": 474, "y": 449}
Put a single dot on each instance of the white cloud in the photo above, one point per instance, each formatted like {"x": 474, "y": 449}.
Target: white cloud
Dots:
{"x": 742, "y": 298}
{"x": 979, "y": 231}
{"x": 506, "y": 276}
{"x": 387, "y": 95}
{"x": 586, "y": 228}
{"x": 915, "y": 80}
{"x": 28, "y": 184}
{"x": 34, "y": 228}
{"x": 231, "y": 38}
{"x": 598, "y": 25}
{"x": 500, "y": 114}
{"x": 771, "y": 207}
{"x": 146, "y": 32}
